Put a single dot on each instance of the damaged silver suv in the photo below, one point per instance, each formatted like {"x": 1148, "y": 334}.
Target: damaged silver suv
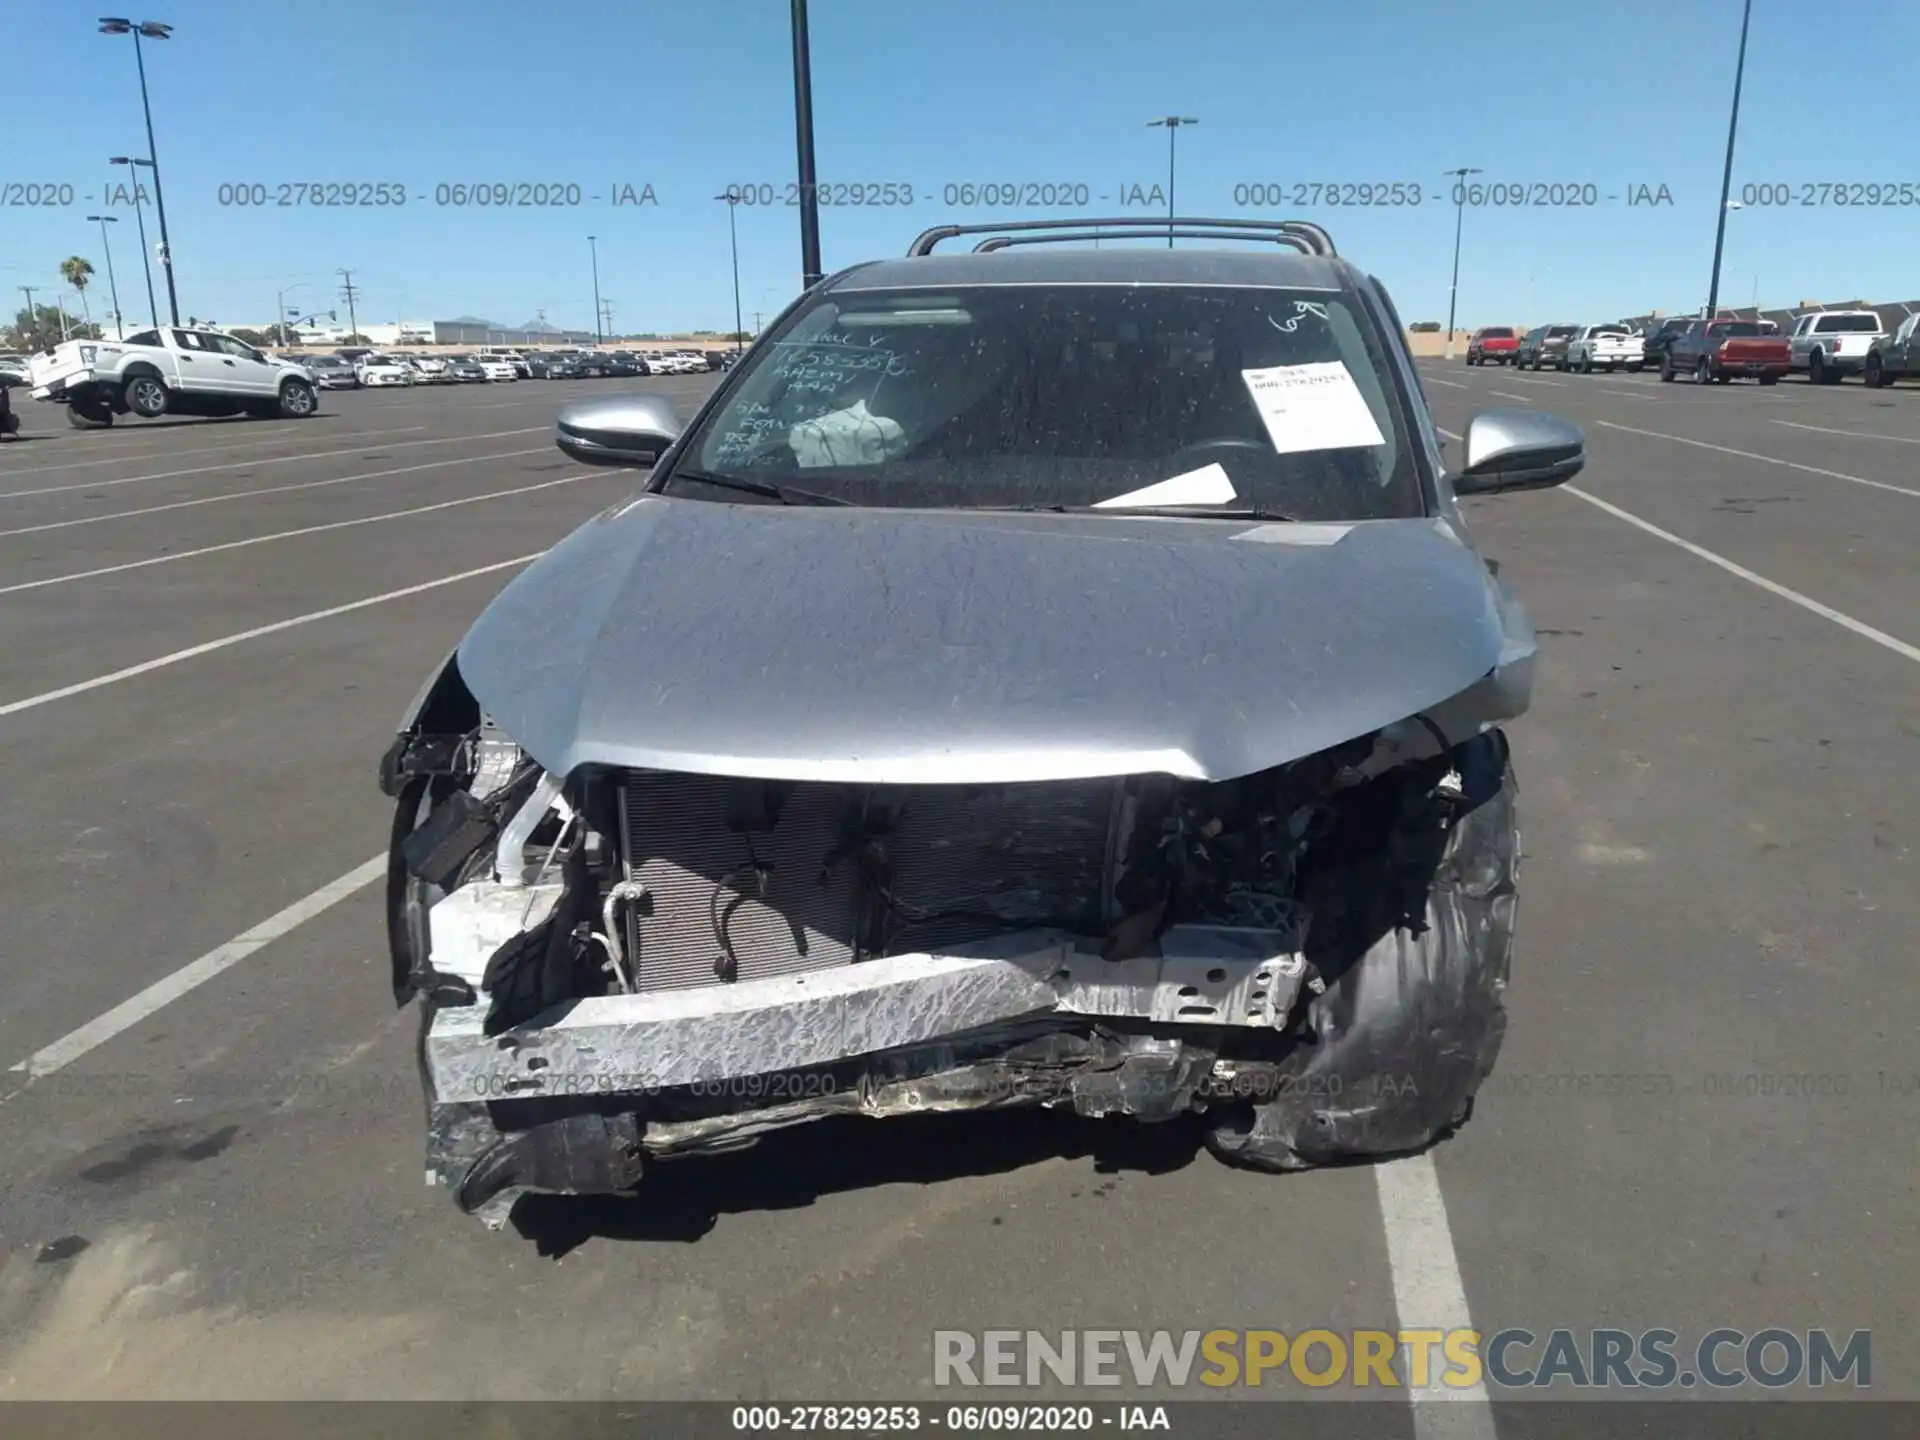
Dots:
{"x": 1036, "y": 676}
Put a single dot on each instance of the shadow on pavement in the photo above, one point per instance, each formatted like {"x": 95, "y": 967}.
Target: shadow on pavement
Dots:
{"x": 681, "y": 1200}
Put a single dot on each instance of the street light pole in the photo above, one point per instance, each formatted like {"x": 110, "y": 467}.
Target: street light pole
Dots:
{"x": 1173, "y": 124}
{"x": 152, "y": 30}
{"x": 113, "y": 285}
{"x": 810, "y": 274}
{"x": 1726, "y": 176}
{"x": 1459, "y": 223}
{"x": 140, "y": 219}
{"x": 732, "y": 197}
{"x": 593, "y": 252}
{"x": 280, "y": 310}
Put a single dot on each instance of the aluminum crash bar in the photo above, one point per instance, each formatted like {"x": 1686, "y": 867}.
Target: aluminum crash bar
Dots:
{"x": 1302, "y": 235}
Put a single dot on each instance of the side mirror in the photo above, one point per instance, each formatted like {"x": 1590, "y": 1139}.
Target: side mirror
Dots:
{"x": 618, "y": 430}
{"x": 1519, "y": 450}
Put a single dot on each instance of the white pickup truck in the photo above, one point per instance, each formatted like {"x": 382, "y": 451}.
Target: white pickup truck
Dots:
{"x": 1831, "y": 343}
{"x": 169, "y": 371}
{"x": 1601, "y": 347}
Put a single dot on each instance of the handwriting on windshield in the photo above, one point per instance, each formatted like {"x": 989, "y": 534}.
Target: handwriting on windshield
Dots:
{"x": 749, "y": 428}
{"x": 827, "y": 365}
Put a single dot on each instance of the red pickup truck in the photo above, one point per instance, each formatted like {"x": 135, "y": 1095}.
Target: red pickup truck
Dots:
{"x": 1492, "y": 344}
{"x": 1718, "y": 350}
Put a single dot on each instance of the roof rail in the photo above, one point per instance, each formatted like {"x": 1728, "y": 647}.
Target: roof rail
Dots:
{"x": 1307, "y": 238}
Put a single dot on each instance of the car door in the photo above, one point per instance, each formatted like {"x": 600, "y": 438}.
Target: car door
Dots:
{"x": 243, "y": 370}
{"x": 196, "y": 361}
{"x": 1901, "y": 349}
{"x": 1800, "y": 343}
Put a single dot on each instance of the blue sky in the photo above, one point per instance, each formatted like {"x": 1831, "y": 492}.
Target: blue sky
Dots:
{"x": 688, "y": 97}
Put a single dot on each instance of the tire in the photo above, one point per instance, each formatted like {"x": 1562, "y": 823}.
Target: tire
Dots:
{"x": 1415, "y": 1001}
{"x": 147, "y": 396}
{"x": 90, "y": 415}
{"x": 297, "y": 400}
{"x": 1769, "y": 379}
{"x": 1873, "y": 374}
{"x": 1703, "y": 372}
{"x": 1634, "y": 367}
{"x": 1817, "y": 369}
{"x": 1666, "y": 369}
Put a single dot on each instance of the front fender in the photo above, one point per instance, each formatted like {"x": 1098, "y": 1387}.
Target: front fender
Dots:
{"x": 439, "y": 718}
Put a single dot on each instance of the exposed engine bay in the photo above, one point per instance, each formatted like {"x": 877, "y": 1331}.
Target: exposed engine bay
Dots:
{"x": 639, "y": 965}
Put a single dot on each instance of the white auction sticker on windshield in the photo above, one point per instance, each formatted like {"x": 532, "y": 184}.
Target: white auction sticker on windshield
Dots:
{"x": 1208, "y": 485}
{"x": 1312, "y": 407}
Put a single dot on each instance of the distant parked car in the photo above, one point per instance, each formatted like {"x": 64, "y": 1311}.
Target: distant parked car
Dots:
{"x": 1601, "y": 347}
{"x": 1492, "y": 345}
{"x": 1655, "y": 343}
{"x": 1833, "y": 343}
{"x": 621, "y": 365}
{"x": 564, "y": 367}
{"x": 592, "y": 364}
{"x": 1720, "y": 350}
{"x": 376, "y": 370}
{"x": 497, "y": 367}
{"x": 464, "y": 370}
{"x": 429, "y": 369}
{"x": 1543, "y": 345}
{"x": 331, "y": 372}
{"x": 1893, "y": 356}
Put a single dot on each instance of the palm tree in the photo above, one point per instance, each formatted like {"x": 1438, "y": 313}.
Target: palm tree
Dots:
{"x": 77, "y": 272}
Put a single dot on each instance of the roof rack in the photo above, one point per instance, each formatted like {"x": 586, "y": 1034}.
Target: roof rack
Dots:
{"x": 1308, "y": 239}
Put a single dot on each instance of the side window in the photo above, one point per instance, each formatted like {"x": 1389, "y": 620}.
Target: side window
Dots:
{"x": 145, "y": 337}
{"x": 190, "y": 340}
{"x": 239, "y": 349}
{"x": 1905, "y": 333}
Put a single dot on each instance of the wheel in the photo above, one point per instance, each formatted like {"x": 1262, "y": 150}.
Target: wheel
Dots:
{"x": 1723, "y": 379}
{"x": 1634, "y": 367}
{"x": 1611, "y": 367}
{"x": 1703, "y": 372}
{"x": 1874, "y": 375}
{"x": 90, "y": 415}
{"x": 148, "y": 396}
{"x": 1586, "y": 365}
{"x": 1769, "y": 379}
{"x": 1817, "y": 369}
{"x": 1666, "y": 368}
{"x": 297, "y": 400}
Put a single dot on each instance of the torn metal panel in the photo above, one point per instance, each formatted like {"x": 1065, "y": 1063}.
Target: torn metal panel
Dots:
{"x": 651, "y": 1041}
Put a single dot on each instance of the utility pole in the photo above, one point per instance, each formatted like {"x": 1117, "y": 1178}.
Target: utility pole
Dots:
{"x": 33, "y": 320}
{"x": 1172, "y": 124}
{"x": 1726, "y": 178}
{"x": 1459, "y": 222}
{"x": 606, "y": 315}
{"x": 113, "y": 286}
{"x": 350, "y": 295}
{"x": 593, "y": 253}
{"x": 803, "y": 136}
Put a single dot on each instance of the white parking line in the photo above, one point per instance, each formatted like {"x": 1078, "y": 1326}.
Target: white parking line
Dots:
{"x": 1534, "y": 380}
{"x": 269, "y": 460}
{"x": 31, "y": 702}
{"x": 1855, "y": 434}
{"x": 1452, "y": 384}
{"x": 1623, "y": 394}
{"x": 1509, "y": 395}
{"x": 266, "y": 490}
{"x": 144, "y": 454}
{"x": 1764, "y": 459}
{"x": 1427, "y": 1293}
{"x": 1772, "y": 587}
{"x": 131, "y": 1011}
{"x": 251, "y": 540}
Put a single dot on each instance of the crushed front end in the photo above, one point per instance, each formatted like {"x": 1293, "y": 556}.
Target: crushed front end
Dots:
{"x": 635, "y": 965}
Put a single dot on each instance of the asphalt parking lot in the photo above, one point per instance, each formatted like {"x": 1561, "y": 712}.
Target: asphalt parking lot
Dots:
{"x": 1707, "y": 1113}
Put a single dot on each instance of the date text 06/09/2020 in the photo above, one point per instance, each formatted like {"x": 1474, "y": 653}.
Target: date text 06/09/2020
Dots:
{"x": 446, "y": 194}
{"x": 1410, "y": 194}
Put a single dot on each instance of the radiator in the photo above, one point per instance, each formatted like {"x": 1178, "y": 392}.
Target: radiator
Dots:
{"x": 973, "y": 861}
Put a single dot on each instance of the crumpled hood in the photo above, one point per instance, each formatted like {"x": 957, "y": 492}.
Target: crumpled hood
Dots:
{"x": 896, "y": 647}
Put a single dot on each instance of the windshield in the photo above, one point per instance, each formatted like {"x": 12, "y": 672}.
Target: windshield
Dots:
{"x": 1846, "y": 324}
{"x": 1497, "y": 332}
{"x": 1560, "y": 332}
{"x": 1600, "y": 332}
{"x": 1737, "y": 329}
{"x": 1072, "y": 396}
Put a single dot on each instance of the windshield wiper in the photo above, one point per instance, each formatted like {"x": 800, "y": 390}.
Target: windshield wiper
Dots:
{"x": 785, "y": 494}
{"x": 1188, "y": 512}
